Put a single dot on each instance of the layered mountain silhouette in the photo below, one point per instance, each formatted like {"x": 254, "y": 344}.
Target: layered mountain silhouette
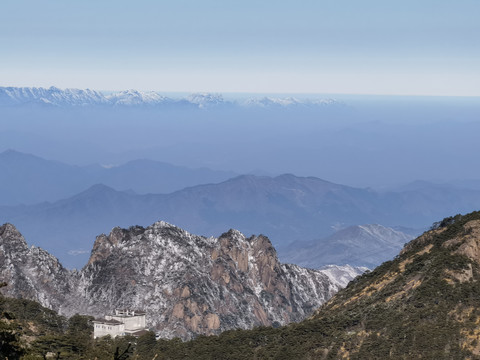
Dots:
{"x": 287, "y": 208}
{"x": 29, "y": 179}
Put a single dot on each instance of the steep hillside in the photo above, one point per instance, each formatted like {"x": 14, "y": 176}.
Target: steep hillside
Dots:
{"x": 424, "y": 302}
{"x": 187, "y": 284}
{"x": 24, "y": 321}
{"x": 31, "y": 331}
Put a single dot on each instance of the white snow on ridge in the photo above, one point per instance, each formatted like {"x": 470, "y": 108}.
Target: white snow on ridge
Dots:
{"x": 134, "y": 97}
{"x": 342, "y": 275}
{"x": 17, "y": 96}
{"x": 52, "y": 96}
{"x": 204, "y": 100}
{"x": 285, "y": 102}
{"x": 382, "y": 232}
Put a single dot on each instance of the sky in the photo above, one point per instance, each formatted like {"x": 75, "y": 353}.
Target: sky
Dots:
{"x": 410, "y": 47}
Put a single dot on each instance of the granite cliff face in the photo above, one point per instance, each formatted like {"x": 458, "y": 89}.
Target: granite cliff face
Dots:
{"x": 31, "y": 272}
{"x": 187, "y": 284}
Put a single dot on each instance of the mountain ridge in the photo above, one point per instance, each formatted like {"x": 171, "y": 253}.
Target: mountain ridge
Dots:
{"x": 286, "y": 208}
{"x": 55, "y": 97}
{"x": 188, "y": 284}
{"x": 55, "y": 180}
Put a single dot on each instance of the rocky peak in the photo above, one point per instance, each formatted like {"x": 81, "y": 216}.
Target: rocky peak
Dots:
{"x": 9, "y": 235}
{"x": 469, "y": 242}
{"x": 232, "y": 249}
{"x": 31, "y": 272}
{"x": 104, "y": 244}
{"x": 188, "y": 284}
{"x": 13, "y": 251}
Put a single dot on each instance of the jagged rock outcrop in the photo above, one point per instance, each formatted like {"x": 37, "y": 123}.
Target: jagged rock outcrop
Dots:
{"x": 192, "y": 284}
{"x": 31, "y": 272}
{"x": 187, "y": 284}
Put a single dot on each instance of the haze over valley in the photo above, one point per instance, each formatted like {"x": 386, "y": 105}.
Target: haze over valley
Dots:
{"x": 207, "y": 163}
{"x": 361, "y": 141}
{"x": 68, "y": 206}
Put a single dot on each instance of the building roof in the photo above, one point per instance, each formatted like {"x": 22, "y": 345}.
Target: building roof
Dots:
{"x": 107, "y": 322}
{"x": 128, "y": 312}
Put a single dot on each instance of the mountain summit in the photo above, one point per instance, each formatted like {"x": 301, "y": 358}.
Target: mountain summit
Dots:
{"x": 187, "y": 284}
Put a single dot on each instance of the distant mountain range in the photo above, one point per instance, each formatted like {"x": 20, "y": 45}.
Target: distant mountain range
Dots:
{"x": 286, "y": 208}
{"x": 21, "y": 96}
{"x": 28, "y": 179}
{"x": 358, "y": 245}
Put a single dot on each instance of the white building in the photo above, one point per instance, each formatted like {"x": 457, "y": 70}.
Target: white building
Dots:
{"x": 123, "y": 322}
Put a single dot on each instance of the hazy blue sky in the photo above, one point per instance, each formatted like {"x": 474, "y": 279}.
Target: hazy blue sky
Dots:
{"x": 322, "y": 46}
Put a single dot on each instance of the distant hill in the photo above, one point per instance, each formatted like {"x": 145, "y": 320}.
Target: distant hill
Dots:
{"x": 28, "y": 179}
{"x": 286, "y": 208}
{"x": 359, "y": 245}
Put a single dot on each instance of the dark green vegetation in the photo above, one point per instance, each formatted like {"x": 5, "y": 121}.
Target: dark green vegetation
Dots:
{"x": 30, "y": 331}
{"x": 425, "y": 304}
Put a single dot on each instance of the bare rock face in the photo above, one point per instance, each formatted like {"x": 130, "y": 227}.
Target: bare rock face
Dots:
{"x": 32, "y": 273}
{"x": 187, "y": 284}
{"x": 195, "y": 285}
